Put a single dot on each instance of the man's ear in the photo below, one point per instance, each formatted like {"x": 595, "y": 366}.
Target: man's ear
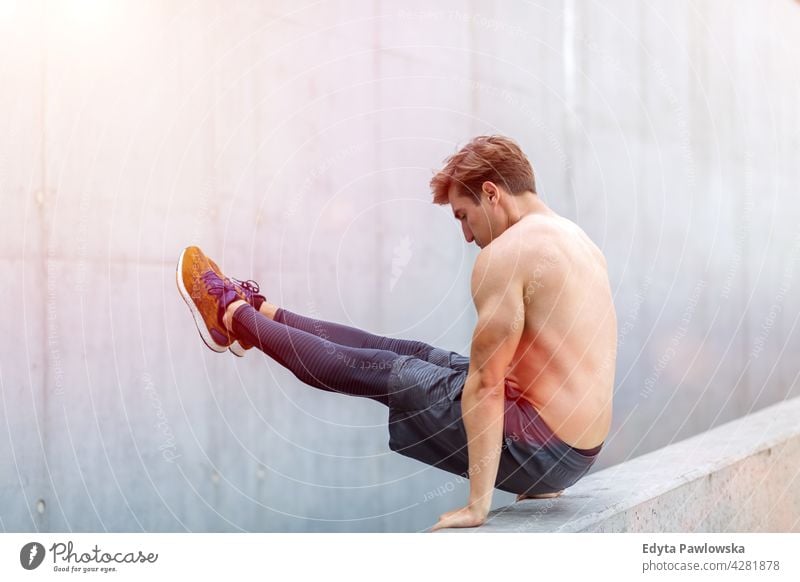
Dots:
{"x": 491, "y": 190}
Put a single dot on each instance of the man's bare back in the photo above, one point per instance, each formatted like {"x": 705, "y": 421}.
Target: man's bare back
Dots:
{"x": 565, "y": 361}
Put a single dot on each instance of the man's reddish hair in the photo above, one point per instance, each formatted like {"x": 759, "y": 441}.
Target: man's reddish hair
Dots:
{"x": 494, "y": 158}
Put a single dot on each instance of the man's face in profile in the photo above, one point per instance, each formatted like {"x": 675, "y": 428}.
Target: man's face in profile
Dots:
{"x": 474, "y": 218}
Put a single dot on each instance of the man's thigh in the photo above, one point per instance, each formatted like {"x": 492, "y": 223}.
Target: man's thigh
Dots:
{"x": 417, "y": 384}
{"x": 425, "y": 413}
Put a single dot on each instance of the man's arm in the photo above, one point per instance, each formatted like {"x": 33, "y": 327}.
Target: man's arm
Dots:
{"x": 497, "y": 293}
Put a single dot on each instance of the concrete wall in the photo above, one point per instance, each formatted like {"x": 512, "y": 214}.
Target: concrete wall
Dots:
{"x": 739, "y": 477}
{"x": 294, "y": 142}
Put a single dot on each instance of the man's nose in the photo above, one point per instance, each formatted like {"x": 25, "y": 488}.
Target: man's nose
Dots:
{"x": 468, "y": 234}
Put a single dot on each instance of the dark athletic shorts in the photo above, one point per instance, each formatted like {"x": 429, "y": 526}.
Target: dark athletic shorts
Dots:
{"x": 425, "y": 424}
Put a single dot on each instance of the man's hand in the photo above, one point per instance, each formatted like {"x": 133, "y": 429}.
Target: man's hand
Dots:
{"x": 465, "y": 517}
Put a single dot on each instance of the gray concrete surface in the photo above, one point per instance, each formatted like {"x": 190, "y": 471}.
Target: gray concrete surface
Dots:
{"x": 294, "y": 141}
{"x": 743, "y": 476}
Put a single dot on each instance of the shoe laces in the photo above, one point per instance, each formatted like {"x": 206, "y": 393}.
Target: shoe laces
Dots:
{"x": 250, "y": 290}
{"x": 249, "y": 285}
{"x": 217, "y": 285}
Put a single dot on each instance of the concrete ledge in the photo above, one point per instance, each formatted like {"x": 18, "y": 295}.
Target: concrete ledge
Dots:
{"x": 739, "y": 477}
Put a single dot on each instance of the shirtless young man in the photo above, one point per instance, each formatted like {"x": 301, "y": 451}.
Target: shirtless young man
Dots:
{"x": 529, "y": 410}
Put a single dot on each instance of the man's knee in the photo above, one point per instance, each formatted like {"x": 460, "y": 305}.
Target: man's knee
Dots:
{"x": 447, "y": 359}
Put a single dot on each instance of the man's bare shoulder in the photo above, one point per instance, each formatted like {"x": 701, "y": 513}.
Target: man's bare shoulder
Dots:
{"x": 521, "y": 252}
{"x": 557, "y": 236}
{"x": 532, "y": 240}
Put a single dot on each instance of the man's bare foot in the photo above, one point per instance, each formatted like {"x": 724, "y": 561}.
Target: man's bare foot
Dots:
{"x": 268, "y": 309}
{"x": 522, "y": 496}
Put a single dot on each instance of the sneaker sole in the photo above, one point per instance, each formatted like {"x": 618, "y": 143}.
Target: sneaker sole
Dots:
{"x": 199, "y": 322}
{"x": 237, "y": 350}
